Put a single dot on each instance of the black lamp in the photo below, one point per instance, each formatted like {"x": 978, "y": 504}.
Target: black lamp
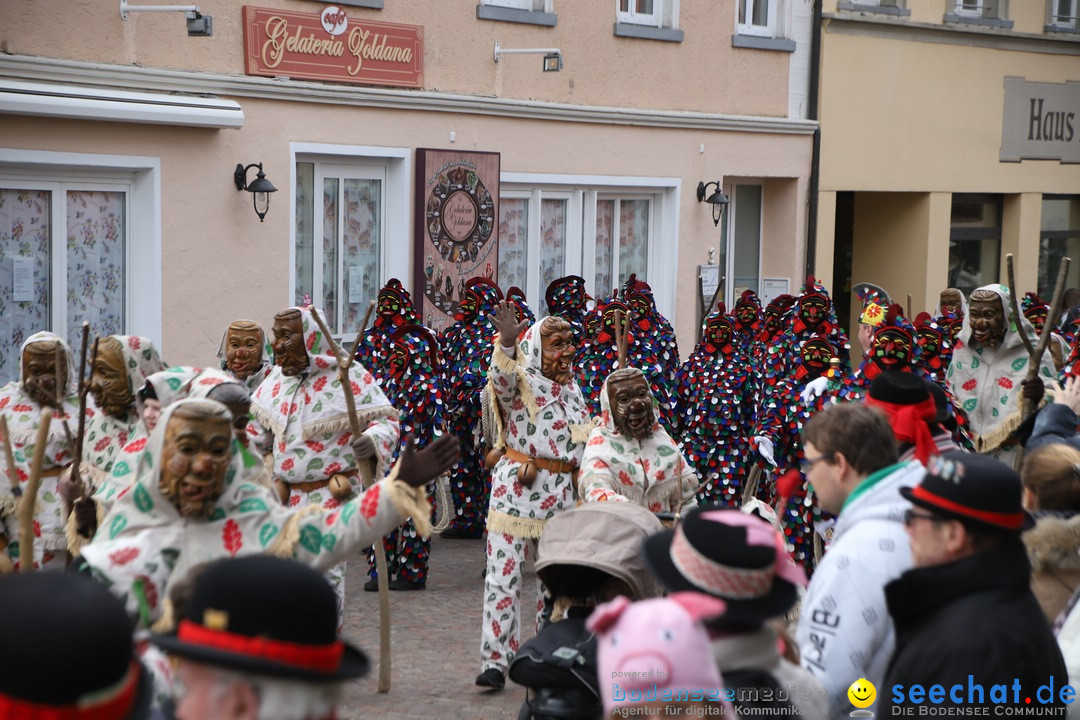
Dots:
{"x": 260, "y": 188}
{"x": 717, "y": 199}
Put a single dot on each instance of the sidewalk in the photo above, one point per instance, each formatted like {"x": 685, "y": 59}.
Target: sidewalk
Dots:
{"x": 435, "y": 641}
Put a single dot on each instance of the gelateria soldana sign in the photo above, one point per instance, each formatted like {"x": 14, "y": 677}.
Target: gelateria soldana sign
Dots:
{"x": 331, "y": 45}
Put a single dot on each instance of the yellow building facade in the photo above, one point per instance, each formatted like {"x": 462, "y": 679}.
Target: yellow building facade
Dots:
{"x": 950, "y": 137}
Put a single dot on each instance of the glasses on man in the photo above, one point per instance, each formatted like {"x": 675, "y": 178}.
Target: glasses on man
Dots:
{"x": 910, "y": 516}
{"x": 808, "y": 462}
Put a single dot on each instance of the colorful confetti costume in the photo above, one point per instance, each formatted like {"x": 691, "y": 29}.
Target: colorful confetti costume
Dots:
{"x": 106, "y": 435}
{"x": 651, "y": 472}
{"x": 566, "y": 298}
{"x": 986, "y": 382}
{"x": 253, "y": 380}
{"x": 894, "y": 347}
{"x": 521, "y": 305}
{"x": 1035, "y": 309}
{"x": 653, "y": 329}
{"x": 813, "y": 314}
{"x": 309, "y": 421}
{"x": 717, "y": 404}
{"x": 747, "y": 317}
{"x": 393, "y": 309}
{"x": 539, "y": 419}
{"x": 935, "y": 346}
{"x": 414, "y": 385}
{"x": 466, "y": 349}
{"x": 599, "y": 357}
{"x": 23, "y": 416}
{"x": 144, "y": 545}
{"x": 774, "y": 320}
{"x": 781, "y": 418}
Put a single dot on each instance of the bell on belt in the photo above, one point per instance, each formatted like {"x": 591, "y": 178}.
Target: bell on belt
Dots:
{"x": 340, "y": 489}
{"x": 493, "y": 456}
{"x": 527, "y": 473}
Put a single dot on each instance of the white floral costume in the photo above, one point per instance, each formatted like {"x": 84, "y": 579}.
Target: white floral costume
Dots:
{"x": 652, "y": 472}
{"x": 23, "y": 415}
{"x": 986, "y": 382}
{"x": 541, "y": 419}
{"x": 106, "y": 435}
{"x": 309, "y": 421}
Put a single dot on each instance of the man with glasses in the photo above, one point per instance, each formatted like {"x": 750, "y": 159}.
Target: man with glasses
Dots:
{"x": 969, "y": 631}
{"x": 850, "y": 460}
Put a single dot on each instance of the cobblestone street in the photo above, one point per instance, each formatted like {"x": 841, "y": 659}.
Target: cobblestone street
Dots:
{"x": 435, "y": 641}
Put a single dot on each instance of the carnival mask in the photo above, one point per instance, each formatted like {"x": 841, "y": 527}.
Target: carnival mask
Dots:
{"x": 468, "y": 308}
{"x": 771, "y": 320}
{"x": 815, "y": 356}
{"x": 746, "y": 313}
{"x": 288, "y": 345}
{"x": 398, "y": 360}
{"x": 719, "y": 331}
{"x": 109, "y": 380}
{"x": 39, "y": 380}
{"x": 1037, "y": 317}
{"x": 952, "y": 300}
{"x": 952, "y": 325}
{"x": 194, "y": 460}
{"x": 557, "y": 350}
{"x": 639, "y": 304}
{"x": 929, "y": 340}
{"x": 631, "y": 404}
{"x": 243, "y": 349}
{"x": 389, "y": 304}
{"x": 813, "y": 310}
{"x": 892, "y": 348}
{"x": 987, "y": 318}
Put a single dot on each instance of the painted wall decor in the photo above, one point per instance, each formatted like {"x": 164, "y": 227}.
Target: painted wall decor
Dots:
{"x": 457, "y": 232}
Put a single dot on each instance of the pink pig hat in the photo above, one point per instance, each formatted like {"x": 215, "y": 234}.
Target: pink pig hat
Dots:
{"x": 656, "y": 650}
{"x": 730, "y": 555}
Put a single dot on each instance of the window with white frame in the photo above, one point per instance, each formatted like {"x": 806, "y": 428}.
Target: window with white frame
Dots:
{"x": 757, "y": 17}
{"x": 1064, "y": 13}
{"x": 989, "y": 9}
{"x": 338, "y": 246}
{"x": 532, "y": 5}
{"x": 601, "y": 233}
{"x": 64, "y": 259}
{"x": 640, "y": 12}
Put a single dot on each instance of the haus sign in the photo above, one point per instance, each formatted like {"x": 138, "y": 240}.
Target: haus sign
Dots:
{"x": 331, "y": 45}
{"x": 1041, "y": 121}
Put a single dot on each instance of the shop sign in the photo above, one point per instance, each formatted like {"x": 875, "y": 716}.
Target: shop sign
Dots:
{"x": 1041, "y": 121}
{"x": 331, "y": 45}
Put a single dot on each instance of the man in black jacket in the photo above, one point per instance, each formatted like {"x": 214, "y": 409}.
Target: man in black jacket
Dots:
{"x": 968, "y": 630}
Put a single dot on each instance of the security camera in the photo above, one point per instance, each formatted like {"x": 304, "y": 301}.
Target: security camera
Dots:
{"x": 199, "y": 25}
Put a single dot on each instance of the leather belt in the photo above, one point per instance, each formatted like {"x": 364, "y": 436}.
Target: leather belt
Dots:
{"x": 314, "y": 485}
{"x": 555, "y": 466}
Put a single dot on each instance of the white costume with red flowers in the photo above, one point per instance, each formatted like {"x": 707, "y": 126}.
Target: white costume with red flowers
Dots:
{"x": 986, "y": 381}
{"x": 544, "y": 420}
{"x": 106, "y": 435}
{"x": 144, "y": 546}
{"x": 23, "y": 415}
{"x": 309, "y": 421}
{"x": 651, "y": 472}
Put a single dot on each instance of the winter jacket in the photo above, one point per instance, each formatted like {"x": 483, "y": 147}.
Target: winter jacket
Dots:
{"x": 1068, "y": 637}
{"x": 972, "y": 622}
{"x": 1055, "y": 423}
{"x": 1052, "y": 547}
{"x": 844, "y": 629}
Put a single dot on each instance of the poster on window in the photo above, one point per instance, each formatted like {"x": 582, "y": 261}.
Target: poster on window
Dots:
{"x": 457, "y": 229}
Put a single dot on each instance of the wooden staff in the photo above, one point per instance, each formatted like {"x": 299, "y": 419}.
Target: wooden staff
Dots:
{"x": 59, "y": 361}
{"x": 716, "y": 294}
{"x": 360, "y": 330}
{"x": 9, "y": 458}
{"x": 620, "y": 339}
{"x": 84, "y": 389}
{"x": 701, "y": 307}
{"x": 909, "y": 315}
{"x": 364, "y": 468}
{"x": 29, "y": 498}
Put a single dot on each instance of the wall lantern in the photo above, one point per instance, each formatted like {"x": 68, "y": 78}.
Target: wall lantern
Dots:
{"x": 717, "y": 199}
{"x": 260, "y": 188}
{"x": 552, "y": 56}
{"x": 198, "y": 25}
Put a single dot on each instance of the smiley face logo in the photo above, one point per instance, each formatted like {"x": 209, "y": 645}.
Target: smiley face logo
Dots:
{"x": 862, "y": 693}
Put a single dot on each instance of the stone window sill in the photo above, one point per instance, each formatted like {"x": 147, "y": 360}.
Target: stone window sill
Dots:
{"x": 755, "y": 42}
{"x": 648, "y": 32}
{"x": 984, "y": 22}
{"x": 514, "y": 15}
{"x": 877, "y": 9}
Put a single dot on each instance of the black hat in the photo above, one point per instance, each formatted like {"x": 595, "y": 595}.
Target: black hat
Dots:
{"x": 731, "y": 555}
{"x": 975, "y": 489}
{"x": 266, "y": 616}
{"x": 899, "y": 388}
{"x": 69, "y": 649}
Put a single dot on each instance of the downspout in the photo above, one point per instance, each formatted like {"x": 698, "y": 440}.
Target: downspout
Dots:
{"x": 815, "y": 158}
